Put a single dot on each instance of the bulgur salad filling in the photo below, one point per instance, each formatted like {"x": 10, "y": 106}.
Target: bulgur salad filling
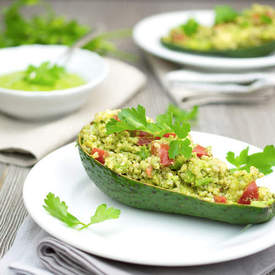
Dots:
{"x": 231, "y": 30}
{"x": 148, "y": 158}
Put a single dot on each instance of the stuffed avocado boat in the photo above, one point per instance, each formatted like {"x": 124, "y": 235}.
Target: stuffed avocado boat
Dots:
{"x": 161, "y": 170}
{"x": 247, "y": 34}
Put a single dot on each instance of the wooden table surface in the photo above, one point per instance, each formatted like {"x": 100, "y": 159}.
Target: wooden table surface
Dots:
{"x": 251, "y": 123}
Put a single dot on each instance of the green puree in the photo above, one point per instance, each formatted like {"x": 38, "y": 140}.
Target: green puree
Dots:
{"x": 16, "y": 81}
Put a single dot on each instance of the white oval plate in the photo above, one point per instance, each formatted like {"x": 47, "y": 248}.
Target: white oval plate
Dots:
{"x": 147, "y": 34}
{"x": 139, "y": 236}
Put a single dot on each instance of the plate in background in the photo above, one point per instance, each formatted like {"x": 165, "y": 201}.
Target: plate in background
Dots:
{"x": 147, "y": 34}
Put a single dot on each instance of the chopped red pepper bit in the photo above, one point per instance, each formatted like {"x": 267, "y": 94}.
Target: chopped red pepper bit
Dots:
{"x": 200, "y": 151}
{"x": 149, "y": 171}
{"x": 167, "y": 135}
{"x": 220, "y": 199}
{"x": 116, "y": 118}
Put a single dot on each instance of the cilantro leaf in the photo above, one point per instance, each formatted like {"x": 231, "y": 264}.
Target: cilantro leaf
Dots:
{"x": 240, "y": 160}
{"x": 59, "y": 210}
{"x": 263, "y": 161}
{"x": 224, "y": 14}
{"x": 183, "y": 115}
{"x": 265, "y": 19}
{"x": 135, "y": 118}
{"x": 190, "y": 27}
{"x": 103, "y": 213}
{"x": 180, "y": 147}
{"x": 44, "y": 74}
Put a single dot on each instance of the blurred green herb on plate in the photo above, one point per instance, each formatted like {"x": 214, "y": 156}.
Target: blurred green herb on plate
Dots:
{"x": 224, "y": 14}
{"x": 190, "y": 27}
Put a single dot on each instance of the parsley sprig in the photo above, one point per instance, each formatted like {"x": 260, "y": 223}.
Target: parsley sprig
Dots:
{"x": 135, "y": 119}
{"x": 263, "y": 161}
{"x": 59, "y": 210}
{"x": 225, "y": 14}
{"x": 190, "y": 27}
{"x": 44, "y": 74}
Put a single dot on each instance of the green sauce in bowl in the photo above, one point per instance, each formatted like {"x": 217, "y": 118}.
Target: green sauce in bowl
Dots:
{"x": 45, "y": 77}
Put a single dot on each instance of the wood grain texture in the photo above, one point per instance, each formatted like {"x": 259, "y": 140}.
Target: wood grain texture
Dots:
{"x": 251, "y": 123}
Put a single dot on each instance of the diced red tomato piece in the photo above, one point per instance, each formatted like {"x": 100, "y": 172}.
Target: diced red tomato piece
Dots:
{"x": 251, "y": 192}
{"x": 155, "y": 149}
{"x": 220, "y": 199}
{"x": 149, "y": 171}
{"x": 269, "y": 14}
{"x": 101, "y": 154}
{"x": 164, "y": 155}
{"x": 144, "y": 140}
{"x": 167, "y": 135}
{"x": 162, "y": 152}
{"x": 143, "y": 134}
{"x": 116, "y": 117}
{"x": 178, "y": 37}
{"x": 200, "y": 151}
{"x": 256, "y": 16}
{"x": 144, "y": 137}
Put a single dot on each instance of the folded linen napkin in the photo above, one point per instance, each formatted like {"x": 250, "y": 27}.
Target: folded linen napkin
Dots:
{"x": 35, "y": 252}
{"x": 188, "y": 86}
{"x": 24, "y": 143}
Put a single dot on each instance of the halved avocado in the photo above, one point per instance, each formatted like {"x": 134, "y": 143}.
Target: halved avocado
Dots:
{"x": 147, "y": 196}
{"x": 258, "y": 51}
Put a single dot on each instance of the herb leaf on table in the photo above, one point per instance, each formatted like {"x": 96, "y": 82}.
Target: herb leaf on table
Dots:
{"x": 263, "y": 161}
{"x": 59, "y": 210}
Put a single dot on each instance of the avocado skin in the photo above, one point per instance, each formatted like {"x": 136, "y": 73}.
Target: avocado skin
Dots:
{"x": 149, "y": 197}
{"x": 257, "y": 51}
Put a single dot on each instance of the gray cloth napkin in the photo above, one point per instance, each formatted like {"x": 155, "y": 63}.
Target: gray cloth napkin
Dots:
{"x": 37, "y": 253}
{"x": 24, "y": 143}
{"x": 188, "y": 86}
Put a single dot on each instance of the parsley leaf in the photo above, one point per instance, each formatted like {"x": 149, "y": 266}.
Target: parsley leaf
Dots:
{"x": 135, "y": 119}
{"x": 263, "y": 161}
{"x": 180, "y": 147}
{"x": 265, "y": 19}
{"x": 103, "y": 213}
{"x": 240, "y": 160}
{"x": 59, "y": 210}
{"x": 190, "y": 27}
{"x": 44, "y": 74}
{"x": 183, "y": 115}
{"x": 225, "y": 14}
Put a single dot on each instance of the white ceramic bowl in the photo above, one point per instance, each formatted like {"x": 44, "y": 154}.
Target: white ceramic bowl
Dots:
{"x": 37, "y": 105}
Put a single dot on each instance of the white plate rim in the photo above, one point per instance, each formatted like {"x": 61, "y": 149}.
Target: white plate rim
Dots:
{"x": 220, "y": 258}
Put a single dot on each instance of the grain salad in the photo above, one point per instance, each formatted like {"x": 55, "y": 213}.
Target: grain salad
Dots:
{"x": 142, "y": 157}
